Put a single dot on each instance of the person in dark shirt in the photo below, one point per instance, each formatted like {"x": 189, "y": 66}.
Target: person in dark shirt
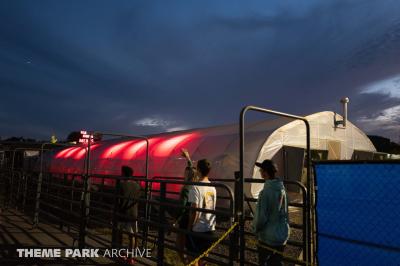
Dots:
{"x": 128, "y": 205}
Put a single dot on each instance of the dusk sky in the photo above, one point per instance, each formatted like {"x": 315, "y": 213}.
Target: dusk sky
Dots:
{"x": 143, "y": 67}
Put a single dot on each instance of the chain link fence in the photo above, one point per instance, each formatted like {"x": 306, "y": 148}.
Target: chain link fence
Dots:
{"x": 358, "y": 210}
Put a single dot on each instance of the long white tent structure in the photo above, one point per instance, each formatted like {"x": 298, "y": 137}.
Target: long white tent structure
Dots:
{"x": 282, "y": 140}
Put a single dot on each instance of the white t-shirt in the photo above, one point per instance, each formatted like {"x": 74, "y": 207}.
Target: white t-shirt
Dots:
{"x": 205, "y": 197}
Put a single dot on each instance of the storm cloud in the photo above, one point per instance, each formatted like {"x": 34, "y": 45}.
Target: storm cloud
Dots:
{"x": 150, "y": 66}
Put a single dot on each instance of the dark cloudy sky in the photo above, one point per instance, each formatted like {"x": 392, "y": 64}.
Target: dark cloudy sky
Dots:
{"x": 151, "y": 66}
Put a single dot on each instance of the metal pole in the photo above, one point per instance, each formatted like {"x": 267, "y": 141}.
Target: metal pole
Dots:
{"x": 25, "y": 192}
{"x": 147, "y": 195}
{"x": 233, "y": 237}
{"x": 85, "y": 200}
{"x": 39, "y": 188}
{"x": 310, "y": 190}
{"x": 240, "y": 199}
{"x": 10, "y": 199}
{"x": 305, "y": 230}
{"x": 17, "y": 196}
{"x": 160, "y": 242}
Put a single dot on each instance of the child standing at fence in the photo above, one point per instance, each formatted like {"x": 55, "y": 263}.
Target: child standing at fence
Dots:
{"x": 271, "y": 220}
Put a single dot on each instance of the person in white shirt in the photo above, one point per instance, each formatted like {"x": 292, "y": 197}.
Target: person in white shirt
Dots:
{"x": 202, "y": 222}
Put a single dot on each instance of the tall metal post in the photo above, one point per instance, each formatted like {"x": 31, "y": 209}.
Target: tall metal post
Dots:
{"x": 146, "y": 195}
{"x": 10, "y": 198}
{"x": 85, "y": 200}
{"x": 310, "y": 201}
{"x": 233, "y": 249}
{"x": 240, "y": 199}
{"x": 39, "y": 188}
{"x": 161, "y": 220}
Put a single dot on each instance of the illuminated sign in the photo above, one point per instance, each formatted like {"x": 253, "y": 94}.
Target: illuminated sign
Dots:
{"x": 85, "y": 137}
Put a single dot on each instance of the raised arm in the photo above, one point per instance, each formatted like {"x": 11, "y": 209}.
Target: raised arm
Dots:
{"x": 186, "y": 155}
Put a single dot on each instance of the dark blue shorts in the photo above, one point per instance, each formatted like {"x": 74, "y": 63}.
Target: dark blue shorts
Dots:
{"x": 197, "y": 244}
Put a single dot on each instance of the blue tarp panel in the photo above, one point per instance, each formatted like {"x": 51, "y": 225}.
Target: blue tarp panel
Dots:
{"x": 358, "y": 213}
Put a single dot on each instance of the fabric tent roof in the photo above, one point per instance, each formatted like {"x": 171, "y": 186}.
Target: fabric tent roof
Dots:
{"x": 218, "y": 144}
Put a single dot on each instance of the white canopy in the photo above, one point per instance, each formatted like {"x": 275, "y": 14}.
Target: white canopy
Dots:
{"x": 220, "y": 145}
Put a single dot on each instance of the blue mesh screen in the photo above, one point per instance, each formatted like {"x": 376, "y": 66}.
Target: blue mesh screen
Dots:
{"x": 358, "y": 213}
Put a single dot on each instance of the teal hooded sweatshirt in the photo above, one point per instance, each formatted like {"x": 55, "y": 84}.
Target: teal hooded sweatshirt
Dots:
{"x": 271, "y": 219}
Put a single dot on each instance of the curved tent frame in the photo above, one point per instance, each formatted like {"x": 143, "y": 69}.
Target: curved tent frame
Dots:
{"x": 221, "y": 144}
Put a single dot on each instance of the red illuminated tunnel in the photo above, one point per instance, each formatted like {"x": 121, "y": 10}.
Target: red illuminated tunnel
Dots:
{"x": 220, "y": 145}
{"x": 107, "y": 157}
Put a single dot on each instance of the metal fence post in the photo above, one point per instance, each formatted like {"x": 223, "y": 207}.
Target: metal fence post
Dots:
{"x": 85, "y": 204}
{"x": 12, "y": 180}
{"x": 17, "y": 195}
{"x": 240, "y": 199}
{"x": 37, "y": 204}
{"x": 25, "y": 191}
{"x": 10, "y": 198}
{"x": 305, "y": 229}
{"x": 310, "y": 199}
{"x": 85, "y": 200}
{"x": 115, "y": 235}
{"x": 235, "y": 242}
{"x": 233, "y": 247}
{"x": 160, "y": 242}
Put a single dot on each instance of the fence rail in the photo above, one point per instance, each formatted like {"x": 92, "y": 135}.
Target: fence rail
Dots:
{"x": 61, "y": 200}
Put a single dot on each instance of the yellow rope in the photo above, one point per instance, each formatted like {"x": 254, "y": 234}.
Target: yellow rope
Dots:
{"x": 205, "y": 253}
{"x": 283, "y": 255}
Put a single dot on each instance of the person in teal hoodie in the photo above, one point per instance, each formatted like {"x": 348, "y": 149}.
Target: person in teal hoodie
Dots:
{"x": 271, "y": 219}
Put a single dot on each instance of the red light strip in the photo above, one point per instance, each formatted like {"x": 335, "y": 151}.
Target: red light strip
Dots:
{"x": 165, "y": 148}
{"x": 115, "y": 149}
{"x": 63, "y": 152}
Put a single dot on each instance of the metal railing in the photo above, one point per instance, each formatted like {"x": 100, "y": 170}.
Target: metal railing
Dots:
{"x": 61, "y": 204}
{"x": 240, "y": 181}
{"x": 85, "y": 202}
